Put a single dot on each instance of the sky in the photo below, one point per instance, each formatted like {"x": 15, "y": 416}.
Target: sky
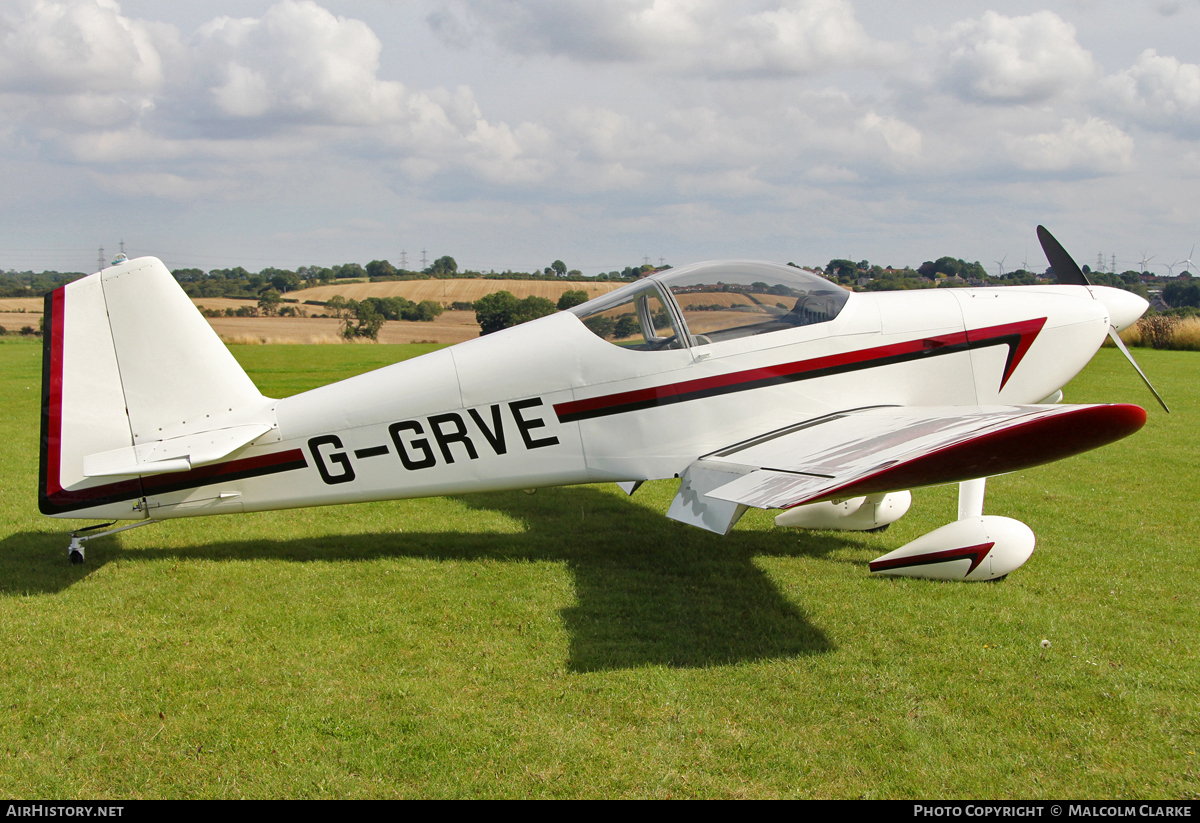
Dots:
{"x": 509, "y": 134}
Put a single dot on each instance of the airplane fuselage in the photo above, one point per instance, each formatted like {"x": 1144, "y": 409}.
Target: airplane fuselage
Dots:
{"x": 551, "y": 403}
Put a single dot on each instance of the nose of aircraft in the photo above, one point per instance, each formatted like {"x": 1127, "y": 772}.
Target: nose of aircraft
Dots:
{"x": 1124, "y": 307}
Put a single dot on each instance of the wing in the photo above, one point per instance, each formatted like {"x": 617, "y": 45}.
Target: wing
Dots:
{"x": 888, "y": 448}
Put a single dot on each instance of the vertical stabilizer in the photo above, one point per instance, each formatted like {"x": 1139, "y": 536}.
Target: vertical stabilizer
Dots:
{"x": 177, "y": 375}
{"x": 128, "y": 362}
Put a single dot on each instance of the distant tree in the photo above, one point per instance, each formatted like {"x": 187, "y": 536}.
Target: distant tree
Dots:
{"x": 282, "y": 280}
{"x": 841, "y": 268}
{"x": 443, "y": 266}
{"x": 1181, "y": 292}
{"x": 428, "y": 310}
{"x": 188, "y": 275}
{"x": 601, "y": 326}
{"x": 337, "y": 305}
{"x": 268, "y": 302}
{"x": 627, "y": 326}
{"x": 349, "y": 270}
{"x": 380, "y": 268}
{"x": 560, "y": 268}
{"x": 572, "y": 298}
{"x": 502, "y": 310}
{"x": 496, "y": 311}
{"x": 362, "y": 320}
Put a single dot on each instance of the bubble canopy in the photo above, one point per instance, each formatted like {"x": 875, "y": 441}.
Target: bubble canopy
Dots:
{"x": 710, "y": 303}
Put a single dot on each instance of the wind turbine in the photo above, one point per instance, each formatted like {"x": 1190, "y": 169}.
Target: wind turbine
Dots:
{"x": 1000, "y": 263}
{"x": 1145, "y": 260}
{"x": 1188, "y": 261}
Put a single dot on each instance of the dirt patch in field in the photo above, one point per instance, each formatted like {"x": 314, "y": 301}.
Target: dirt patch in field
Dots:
{"x": 451, "y": 327}
{"x": 451, "y": 291}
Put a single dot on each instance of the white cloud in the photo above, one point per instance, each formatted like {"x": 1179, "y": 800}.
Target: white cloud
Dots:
{"x": 900, "y": 137}
{"x": 298, "y": 61}
{"x": 998, "y": 59}
{"x": 81, "y": 81}
{"x": 770, "y": 37}
{"x": 1158, "y": 90}
{"x": 1091, "y": 147}
{"x": 80, "y": 64}
{"x": 697, "y": 121}
{"x": 78, "y": 46}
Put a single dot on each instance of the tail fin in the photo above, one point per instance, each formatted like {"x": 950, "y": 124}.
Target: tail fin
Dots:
{"x": 131, "y": 375}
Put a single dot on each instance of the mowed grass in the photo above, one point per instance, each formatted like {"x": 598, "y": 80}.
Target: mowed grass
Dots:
{"x": 577, "y": 643}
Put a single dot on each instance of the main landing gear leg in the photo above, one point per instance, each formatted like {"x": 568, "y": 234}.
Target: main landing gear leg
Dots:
{"x": 80, "y": 536}
{"x": 970, "y": 498}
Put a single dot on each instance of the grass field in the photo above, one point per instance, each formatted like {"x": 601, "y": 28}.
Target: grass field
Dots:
{"x": 577, "y": 643}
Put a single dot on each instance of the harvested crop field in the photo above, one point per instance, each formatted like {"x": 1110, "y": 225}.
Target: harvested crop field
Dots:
{"x": 21, "y": 305}
{"x": 451, "y": 291}
{"x": 451, "y": 327}
{"x": 15, "y": 321}
{"x": 222, "y": 303}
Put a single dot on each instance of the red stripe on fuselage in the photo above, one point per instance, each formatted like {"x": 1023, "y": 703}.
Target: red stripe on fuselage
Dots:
{"x": 1025, "y": 331}
{"x": 51, "y": 449}
{"x": 1018, "y": 336}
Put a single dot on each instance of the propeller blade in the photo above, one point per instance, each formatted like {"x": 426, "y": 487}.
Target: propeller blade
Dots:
{"x": 1068, "y": 272}
{"x": 1116, "y": 338}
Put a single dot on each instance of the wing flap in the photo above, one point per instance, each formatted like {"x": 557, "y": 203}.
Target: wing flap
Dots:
{"x": 885, "y": 449}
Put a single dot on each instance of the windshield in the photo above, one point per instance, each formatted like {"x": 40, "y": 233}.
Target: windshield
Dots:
{"x": 718, "y": 301}
{"x": 634, "y": 317}
{"x": 725, "y": 300}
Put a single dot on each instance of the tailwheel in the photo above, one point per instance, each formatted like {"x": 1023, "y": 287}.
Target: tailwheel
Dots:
{"x": 79, "y": 537}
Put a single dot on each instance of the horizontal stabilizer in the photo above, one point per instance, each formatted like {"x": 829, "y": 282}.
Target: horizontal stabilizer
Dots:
{"x": 177, "y": 454}
{"x": 885, "y": 449}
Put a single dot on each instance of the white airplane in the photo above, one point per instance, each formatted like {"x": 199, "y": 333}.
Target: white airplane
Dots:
{"x": 755, "y": 383}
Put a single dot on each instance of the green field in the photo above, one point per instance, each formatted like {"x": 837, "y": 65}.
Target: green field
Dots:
{"x": 577, "y": 643}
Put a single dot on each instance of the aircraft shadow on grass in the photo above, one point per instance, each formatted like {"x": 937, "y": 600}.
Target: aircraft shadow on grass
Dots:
{"x": 649, "y": 591}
